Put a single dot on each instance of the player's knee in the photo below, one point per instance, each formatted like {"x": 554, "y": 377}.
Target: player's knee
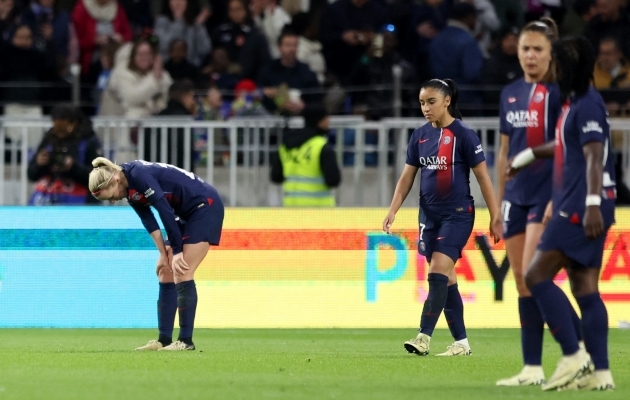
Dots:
{"x": 532, "y": 279}
{"x": 165, "y": 275}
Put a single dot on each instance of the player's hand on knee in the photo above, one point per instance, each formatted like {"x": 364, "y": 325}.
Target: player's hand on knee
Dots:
{"x": 162, "y": 262}
{"x": 179, "y": 265}
{"x": 593, "y": 222}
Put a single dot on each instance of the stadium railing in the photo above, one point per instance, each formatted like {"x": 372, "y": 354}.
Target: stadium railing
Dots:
{"x": 239, "y": 162}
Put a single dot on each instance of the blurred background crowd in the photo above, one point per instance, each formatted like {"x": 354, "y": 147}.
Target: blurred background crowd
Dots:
{"x": 270, "y": 57}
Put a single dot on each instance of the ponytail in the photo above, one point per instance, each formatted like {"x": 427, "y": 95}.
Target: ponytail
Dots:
{"x": 452, "y": 108}
{"x": 102, "y": 174}
{"x": 448, "y": 88}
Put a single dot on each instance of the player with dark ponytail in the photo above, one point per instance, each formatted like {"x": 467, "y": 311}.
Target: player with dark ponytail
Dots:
{"x": 445, "y": 150}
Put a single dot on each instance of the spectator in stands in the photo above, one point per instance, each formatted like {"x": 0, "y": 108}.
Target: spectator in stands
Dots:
{"x": 184, "y": 20}
{"x": 22, "y": 64}
{"x": 178, "y": 65}
{"x": 244, "y": 43}
{"x": 455, "y": 55}
{"x": 103, "y": 71}
{"x": 181, "y": 103}
{"x": 375, "y": 68}
{"x": 139, "y": 15}
{"x": 612, "y": 69}
{"x": 9, "y": 19}
{"x": 52, "y": 28}
{"x": 287, "y": 70}
{"x": 62, "y": 163}
{"x": 97, "y": 23}
{"x": 500, "y": 69}
{"x": 578, "y": 17}
{"x": 487, "y": 23}
{"x": 510, "y": 12}
{"x": 346, "y": 31}
{"x": 270, "y": 18}
{"x": 609, "y": 22}
{"x": 221, "y": 71}
{"x": 140, "y": 86}
{"x": 427, "y": 21}
{"x": 309, "y": 48}
{"x": 306, "y": 165}
{"x": 247, "y": 100}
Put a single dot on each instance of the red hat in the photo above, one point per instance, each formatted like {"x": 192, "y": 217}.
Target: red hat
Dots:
{"x": 245, "y": 85}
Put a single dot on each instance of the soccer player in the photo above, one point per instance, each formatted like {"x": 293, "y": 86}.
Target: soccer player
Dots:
{"x": 192, "y": 214}
{"x": 445, "y": 150}
{"x": 529, "y": 109}
{"x": 584, "y": 204}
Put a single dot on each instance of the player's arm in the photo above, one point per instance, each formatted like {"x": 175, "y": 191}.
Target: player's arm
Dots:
{"x": 502, "y": 162}
{"x": 487, "y": 190}
{"x": 151, "y": 225}
{"x": 527, "y": 156}
{"x": 405, "y": 182}
{"x": 593, "y": 220}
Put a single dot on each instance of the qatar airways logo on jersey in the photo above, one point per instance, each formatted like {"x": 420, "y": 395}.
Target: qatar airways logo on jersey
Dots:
{"x": 522, "y": 118}
{"x": 434, "y": 162}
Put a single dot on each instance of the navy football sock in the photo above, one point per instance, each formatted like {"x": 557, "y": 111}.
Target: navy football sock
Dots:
{"x": 187, "y": 306}
{"x": 577, "y": 324}
{"x": 595, "y": 322}
{"x": 454, "y": 313}
{"x": 556, "y": 311}
{"x": 532, "y": 330}
{"x": 166, "y": 308}
{"x": 434, "y": 304}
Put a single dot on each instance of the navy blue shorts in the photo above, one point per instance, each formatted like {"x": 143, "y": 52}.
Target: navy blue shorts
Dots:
{"x": 516, "y": 217}
{"x": 204, "y": 224}
{"x": 446, "y": 233}
{"x": 569, "y": 238}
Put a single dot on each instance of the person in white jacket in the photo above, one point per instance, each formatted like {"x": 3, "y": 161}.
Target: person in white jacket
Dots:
{"x": 309, "y": 48}
{"x": 141, "y": 85}
{"x": 270, "y": 18}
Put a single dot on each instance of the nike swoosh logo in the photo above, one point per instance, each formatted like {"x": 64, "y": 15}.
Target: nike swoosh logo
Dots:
{"x": 185, "y": 237}
{"x": 440, "y": 238}
{"x": 423, "y": 140}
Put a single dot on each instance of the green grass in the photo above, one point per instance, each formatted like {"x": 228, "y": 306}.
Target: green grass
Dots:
{"x": 279, "y": 364}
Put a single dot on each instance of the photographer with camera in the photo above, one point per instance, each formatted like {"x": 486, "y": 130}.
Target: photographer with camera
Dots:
{"x": 62, "y": 164}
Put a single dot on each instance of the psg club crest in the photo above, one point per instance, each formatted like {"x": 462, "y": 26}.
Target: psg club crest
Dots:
{"x": 447, "y": 139}
{"x": 136, "y": 196}
{"x": 538, "y": 97}
{"x": 422, "y": 246}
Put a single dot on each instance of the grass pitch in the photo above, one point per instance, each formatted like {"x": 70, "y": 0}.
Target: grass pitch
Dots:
{"x": 279, "y": 364}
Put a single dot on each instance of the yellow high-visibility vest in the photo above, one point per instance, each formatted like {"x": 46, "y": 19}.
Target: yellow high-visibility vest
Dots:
{"x": 304, "y": 184}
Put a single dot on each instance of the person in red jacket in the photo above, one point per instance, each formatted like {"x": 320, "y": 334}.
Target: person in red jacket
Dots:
{"x": 97, "y": 23}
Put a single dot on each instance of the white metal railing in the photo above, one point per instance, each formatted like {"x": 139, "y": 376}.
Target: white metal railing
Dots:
{"x": 249, "y": 143}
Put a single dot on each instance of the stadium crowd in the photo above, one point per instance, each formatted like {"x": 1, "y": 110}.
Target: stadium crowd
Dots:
{"x": 275, "y": 56}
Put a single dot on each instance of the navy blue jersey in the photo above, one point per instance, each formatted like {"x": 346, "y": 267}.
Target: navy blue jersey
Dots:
{"x": 445, "y": 157}
{"x": 583, "y": 120}
{"x": 528, "y": 113}
{"x": 172, "y": 191}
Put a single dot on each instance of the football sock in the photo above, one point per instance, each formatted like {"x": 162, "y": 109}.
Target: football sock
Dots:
{"x": 577, "y": 324}
{"x": 454, "y": 313}
{"x": 556, "y": 311}
{"x": 187, "y": 306}
{"x": 532, "y": 330}
{"x": 434, "y": 304}
{"x": 595, "y": 322}
{"x": 166, "y": 308}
